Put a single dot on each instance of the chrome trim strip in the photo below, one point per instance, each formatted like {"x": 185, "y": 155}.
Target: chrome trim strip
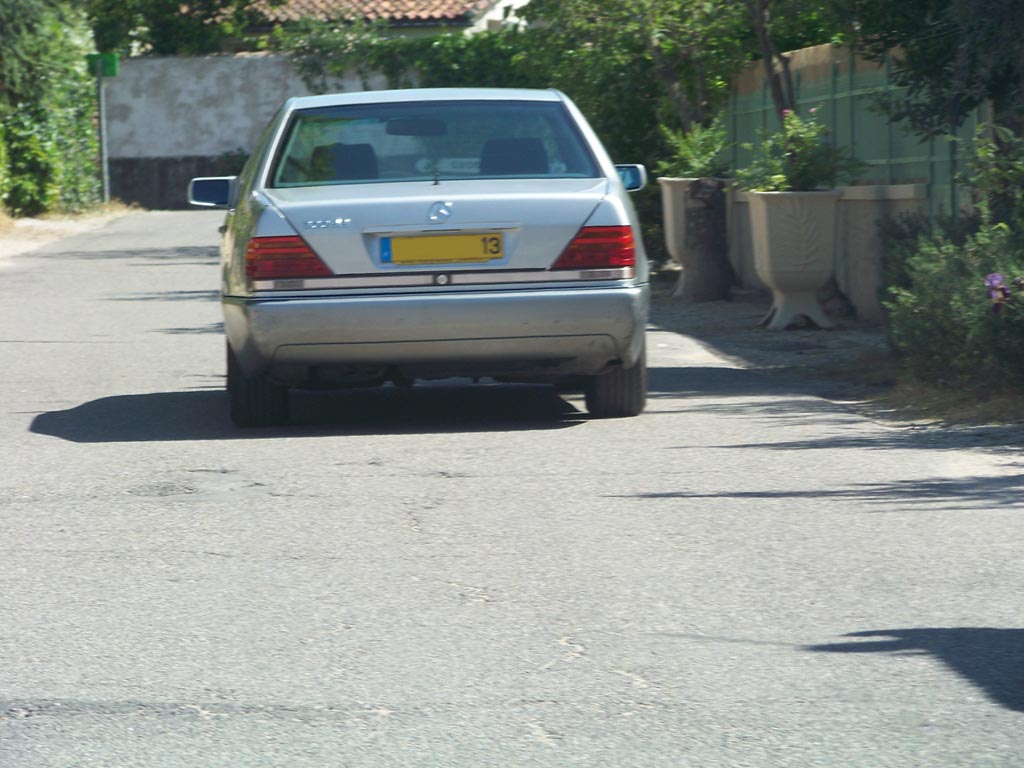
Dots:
{"x": 391, "y": 281}
{"x": 475, "y": 228}
{"x": 420, "y": 279}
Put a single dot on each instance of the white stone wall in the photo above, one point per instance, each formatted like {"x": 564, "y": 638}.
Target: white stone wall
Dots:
{"x": 167, "y": 107}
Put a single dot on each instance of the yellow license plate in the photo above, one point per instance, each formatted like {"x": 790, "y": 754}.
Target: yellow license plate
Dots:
{"x": 443, "y": 249}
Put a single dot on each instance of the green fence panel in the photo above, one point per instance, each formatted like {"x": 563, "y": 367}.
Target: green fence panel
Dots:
{"x": 846, "y": 91}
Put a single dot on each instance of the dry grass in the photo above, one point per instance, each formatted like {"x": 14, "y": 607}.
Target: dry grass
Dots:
{"x": 113, "y": 208}
{"x": 917, "y": 401}
{"x": 905, "y": 399}
{"x": 20, "y": 235}
{"x": 895, "y": 395}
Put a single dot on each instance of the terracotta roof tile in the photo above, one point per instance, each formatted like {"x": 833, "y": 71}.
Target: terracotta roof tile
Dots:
{"x": 393, "y": 11}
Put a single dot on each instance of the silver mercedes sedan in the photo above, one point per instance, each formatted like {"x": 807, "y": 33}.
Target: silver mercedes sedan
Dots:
{"x": 390, "y": 236}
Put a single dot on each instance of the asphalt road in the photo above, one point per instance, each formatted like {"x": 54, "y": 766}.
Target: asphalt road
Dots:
{"x": 746, "y": 575}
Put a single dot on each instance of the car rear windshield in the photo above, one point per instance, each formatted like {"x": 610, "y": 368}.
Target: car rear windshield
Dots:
{"x": 435, "y": 140}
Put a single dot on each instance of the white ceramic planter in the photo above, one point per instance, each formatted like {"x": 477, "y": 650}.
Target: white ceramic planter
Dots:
{"x": 700, "y": 250}
{"x": 675, "y": 200}
{"x": 794, "y": 239}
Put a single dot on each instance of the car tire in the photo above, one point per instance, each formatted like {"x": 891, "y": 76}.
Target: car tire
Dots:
{"x": 255, "y": 400}
{"x": 619, "y": 392}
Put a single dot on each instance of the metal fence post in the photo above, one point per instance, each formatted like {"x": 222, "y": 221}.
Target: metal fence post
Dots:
{"x": 102, "y": 128}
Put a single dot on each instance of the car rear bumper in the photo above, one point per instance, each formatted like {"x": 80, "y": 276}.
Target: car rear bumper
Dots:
{"x": 561, "y": 331}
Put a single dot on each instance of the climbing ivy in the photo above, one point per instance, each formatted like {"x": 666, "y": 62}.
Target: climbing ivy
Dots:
{"x": 47, "y": 107}
{"x": 323, "y": 52}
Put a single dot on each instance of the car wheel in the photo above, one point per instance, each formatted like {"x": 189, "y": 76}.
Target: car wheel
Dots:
{"x": 255, "y": 400}
{"x": 618, "y": 392}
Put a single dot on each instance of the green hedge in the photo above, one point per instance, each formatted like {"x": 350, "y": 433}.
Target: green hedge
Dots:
{"x": 47, "y": 109}
{"x": 950, "y": 327}
{"x": 32, "y": 157}
{"x": 944, "y": 323}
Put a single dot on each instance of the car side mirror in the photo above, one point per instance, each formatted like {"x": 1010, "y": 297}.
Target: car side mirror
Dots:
{"x": 633, "y": 177}
{"x": 211, "y": 191}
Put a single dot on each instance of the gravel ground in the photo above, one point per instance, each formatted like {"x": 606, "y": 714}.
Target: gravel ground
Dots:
{"x": 814, "y": 358}
{"x": 730, "y": 329}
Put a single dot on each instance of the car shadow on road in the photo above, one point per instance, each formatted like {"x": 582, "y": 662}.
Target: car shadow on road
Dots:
{"x": 434, "y": 407}
{"x": 990, "y": 658}
{"x": 203, "y": 414}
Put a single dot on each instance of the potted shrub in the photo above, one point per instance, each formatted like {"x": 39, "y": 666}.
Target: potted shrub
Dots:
{"x": 694, "y": 210}
{"x": 793, "y": 202}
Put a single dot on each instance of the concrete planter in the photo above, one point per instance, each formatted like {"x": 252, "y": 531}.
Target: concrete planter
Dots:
{"x": 794, "y": 241}
{"x": 694, "y": 212}
{"x": 675, "y": 202}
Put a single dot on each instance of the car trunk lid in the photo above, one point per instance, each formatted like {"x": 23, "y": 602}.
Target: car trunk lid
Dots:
{"x": 380, "y": 228}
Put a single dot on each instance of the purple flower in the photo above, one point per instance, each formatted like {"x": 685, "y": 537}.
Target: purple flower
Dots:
{"x": 787, "y": 112}
{"x": 999, "y": 293}
{"x": 812, "y": 110}
{"x": 995, "y": 280}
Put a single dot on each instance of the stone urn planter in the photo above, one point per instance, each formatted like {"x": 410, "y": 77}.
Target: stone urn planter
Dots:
{"x": 694, "y": 213}
{"x": 794, "y": 240}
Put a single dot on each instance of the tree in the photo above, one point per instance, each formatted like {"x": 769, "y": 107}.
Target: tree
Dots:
{"x": 22, "y": 46}
{"x": 786, "y": 25}
{"x": 167, "y": 27}
{"x": 950, "y": 56}
{"x": 776, "y": 63}
{"x": 46, "y": 108}
{"x": 692, "y": 46}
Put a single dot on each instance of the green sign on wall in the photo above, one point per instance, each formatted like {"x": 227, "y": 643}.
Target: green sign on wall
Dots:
{"x": 106, "y": 63}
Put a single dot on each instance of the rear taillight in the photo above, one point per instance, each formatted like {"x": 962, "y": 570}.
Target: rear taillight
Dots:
{"x": 274, "y": 258}
{"x": 599, "y": 247}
